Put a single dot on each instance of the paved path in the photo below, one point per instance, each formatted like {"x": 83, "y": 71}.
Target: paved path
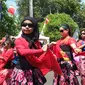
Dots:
{"x": 49, "y": 78}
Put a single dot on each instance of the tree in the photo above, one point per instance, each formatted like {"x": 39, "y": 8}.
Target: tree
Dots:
{"x": 80, "y": 16}
{"x": 55, "y": 20}
{"x": 23, "y": 8}
{"x": 44, "y": 7}
{"x": 7, "y": 24}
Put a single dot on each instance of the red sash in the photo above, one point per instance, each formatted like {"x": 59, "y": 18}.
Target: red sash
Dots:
{"x": 46, "y": 62}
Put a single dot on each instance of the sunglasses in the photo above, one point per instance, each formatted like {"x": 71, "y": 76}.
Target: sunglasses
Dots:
{"x": 27, "y": 24}
{"x": 82, "y": 33}
{"x": 61, "y": 30}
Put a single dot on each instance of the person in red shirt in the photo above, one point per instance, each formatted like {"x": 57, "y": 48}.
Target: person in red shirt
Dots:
{"x": 64, "y": 49}
{"x": 27, "y": 46}
{"x": 6, "y": 58}
{"x": 81, "y": 63}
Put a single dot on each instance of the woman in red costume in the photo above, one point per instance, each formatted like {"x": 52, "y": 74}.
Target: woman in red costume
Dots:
{"x": 6, "y": 58}
{"x": 64, "y": 50}
{"x": 81, "y": 63}
{"x": 27, "y": 46}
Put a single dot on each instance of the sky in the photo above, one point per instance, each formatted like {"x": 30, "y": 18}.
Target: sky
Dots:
{"x": 83, "y": 1}
{"x": 11, "y": 2}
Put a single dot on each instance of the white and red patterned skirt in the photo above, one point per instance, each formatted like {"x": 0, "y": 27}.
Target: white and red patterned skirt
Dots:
{"x": 25, "y": 77}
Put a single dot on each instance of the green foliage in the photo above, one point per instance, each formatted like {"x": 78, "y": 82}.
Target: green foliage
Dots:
{"x": 23, "y": 7}
{"x": 80, "y": 16}
{"x": 70, "y": 7}
{"x": 55, "y": 20}
{"x": 44, "y": 7}
{"x": 7, "y": 23}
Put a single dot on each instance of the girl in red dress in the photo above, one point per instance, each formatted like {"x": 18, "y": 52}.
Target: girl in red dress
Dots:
{"x": 27, "y": 46}
{"x": 6, "y": 58}
{"x": 67, "y": 44}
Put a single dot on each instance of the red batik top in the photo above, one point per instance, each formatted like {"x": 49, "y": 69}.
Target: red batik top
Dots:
{"x": 37, "y": 57}
{"x": 58, "y": 51}
{"x": 7, "y": 55}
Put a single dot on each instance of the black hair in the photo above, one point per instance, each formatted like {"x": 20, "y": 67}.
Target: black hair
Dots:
{"x": 83, "y": 29}
{"x": 8, "y": 40}
{"x": 66, "y": 27}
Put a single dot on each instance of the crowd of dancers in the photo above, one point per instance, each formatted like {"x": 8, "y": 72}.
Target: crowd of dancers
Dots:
{"x": 24, "y": 61}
